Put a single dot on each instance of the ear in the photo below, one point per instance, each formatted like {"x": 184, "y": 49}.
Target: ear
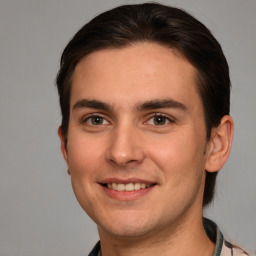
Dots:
{"x": 63, "y": 146}
{"x": 220, "y": 144}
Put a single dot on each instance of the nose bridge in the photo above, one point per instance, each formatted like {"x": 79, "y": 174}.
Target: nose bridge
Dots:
{"x": 125, "y": 146}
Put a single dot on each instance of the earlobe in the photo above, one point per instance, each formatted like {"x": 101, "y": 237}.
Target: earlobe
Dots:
{"x": 220, "y": 144}
{"x": 63, "y": 144}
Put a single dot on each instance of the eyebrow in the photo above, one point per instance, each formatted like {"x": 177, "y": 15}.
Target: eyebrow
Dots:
{"x": 96, "y": 104}
{"x": 147, "y": 105}
{"x": 155, "y": 104}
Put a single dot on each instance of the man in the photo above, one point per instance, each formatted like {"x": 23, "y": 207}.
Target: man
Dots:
{"x": 145, "y": 94}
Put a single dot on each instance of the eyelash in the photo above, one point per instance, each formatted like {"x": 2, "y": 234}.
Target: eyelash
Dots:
{"x": 166, "y": 119}
{"x": 91, "y": 116}
{"x": 160, "y": 115}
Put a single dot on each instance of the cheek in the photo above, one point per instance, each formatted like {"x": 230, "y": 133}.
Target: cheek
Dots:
{"x": 180, "y": 155}
{"x": 84, "y": 157}
{"x": 84, "y": 164}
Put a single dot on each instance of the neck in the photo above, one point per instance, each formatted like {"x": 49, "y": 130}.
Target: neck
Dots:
{"x": 186, "y": 238}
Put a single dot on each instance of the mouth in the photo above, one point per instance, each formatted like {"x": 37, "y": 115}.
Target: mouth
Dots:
{"x": 127, "y": 187}
{"x": 127, "y": 190}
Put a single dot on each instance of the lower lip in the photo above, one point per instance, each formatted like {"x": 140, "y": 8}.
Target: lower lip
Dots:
{"x": 127, "y": 195}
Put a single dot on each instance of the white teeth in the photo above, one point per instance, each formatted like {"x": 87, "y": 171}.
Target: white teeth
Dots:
{"x": 136, "y": 186}
{"x": 128, "y": 186}
{"x": 114, "y": 186}
{"x": 120, "y": 187}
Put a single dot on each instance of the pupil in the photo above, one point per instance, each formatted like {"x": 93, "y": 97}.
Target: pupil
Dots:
{"x": 159, "y": 120}
{"x": 97, "y": 120}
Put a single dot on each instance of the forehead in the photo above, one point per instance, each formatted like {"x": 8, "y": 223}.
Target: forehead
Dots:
{"x": 139, "y": 72}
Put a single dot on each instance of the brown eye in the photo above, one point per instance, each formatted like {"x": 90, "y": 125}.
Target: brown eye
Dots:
{"x": 160, "y": 120}
{"x": 96, "y": 120}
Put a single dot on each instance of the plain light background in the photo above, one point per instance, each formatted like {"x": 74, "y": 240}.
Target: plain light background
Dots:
{"x": 39, "y": 214}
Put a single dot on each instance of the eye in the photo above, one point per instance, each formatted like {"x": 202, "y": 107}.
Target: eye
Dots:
{"x": 159, "y": 119}
{"x": 95, "y": 120}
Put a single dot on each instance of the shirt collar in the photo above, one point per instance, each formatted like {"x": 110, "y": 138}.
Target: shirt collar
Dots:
{"x": 214, "y": 234}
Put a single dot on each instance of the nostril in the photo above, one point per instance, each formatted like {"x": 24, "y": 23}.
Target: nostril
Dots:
{"x": 131, "y": 164}
{"x": 125, "y": 150}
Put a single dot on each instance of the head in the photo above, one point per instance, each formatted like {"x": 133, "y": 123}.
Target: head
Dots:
{"x": 166, "y": 26}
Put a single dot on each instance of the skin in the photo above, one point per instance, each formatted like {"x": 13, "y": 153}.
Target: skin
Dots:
{"x": 115, "y": 136}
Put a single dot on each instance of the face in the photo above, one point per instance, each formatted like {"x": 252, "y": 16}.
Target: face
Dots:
{"x": 137, "y": 147}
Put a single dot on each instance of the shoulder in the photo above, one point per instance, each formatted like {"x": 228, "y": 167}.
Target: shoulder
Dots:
{"x": 234, "y": 250}
{"x": 223, "y": 247}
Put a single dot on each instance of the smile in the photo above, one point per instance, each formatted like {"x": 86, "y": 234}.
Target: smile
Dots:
{"x": 127, "y": 187}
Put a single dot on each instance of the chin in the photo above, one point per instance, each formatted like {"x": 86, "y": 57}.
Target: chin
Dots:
{"x": 128, "y": 226}
{"x": 120, "y": 223}
{"x": 126, "y": 231}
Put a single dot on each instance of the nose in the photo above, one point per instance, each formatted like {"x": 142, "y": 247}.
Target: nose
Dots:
{"x": 125, "y": 147}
